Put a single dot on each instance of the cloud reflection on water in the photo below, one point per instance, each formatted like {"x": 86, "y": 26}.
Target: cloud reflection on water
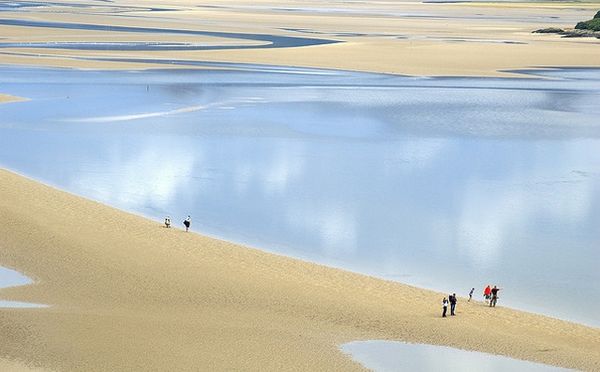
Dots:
{"x": 148, "y": 175}
{"x": 448, "y": 185}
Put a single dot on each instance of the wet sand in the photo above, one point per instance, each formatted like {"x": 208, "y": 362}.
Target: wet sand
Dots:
{"x": 465, "y": 39}
{"x": 128, "y": 294}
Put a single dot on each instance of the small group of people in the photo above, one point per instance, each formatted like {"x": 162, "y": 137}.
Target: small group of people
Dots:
{"x": 490, "y": 295}
{"x": 187, "y": 222}
{"x": 451, "y": 300}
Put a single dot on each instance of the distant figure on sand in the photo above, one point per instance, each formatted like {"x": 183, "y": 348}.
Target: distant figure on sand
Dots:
{"x": 167, "y": 222}
{"x": 187, "y": 222}
{"x": 444, "y": 307}
{"x": 471, "y": 294}
{"x": 494, "y": 296}
{"x": 486, "y": 293}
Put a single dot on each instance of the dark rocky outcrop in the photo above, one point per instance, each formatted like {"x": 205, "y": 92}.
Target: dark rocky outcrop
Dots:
{"x": 549, "y": 30}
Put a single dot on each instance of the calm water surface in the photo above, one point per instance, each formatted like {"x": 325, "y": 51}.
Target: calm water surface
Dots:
{"x": 442, "y": 183}
{"x": 388, "y": 356}
{"x": 11, "y": 278}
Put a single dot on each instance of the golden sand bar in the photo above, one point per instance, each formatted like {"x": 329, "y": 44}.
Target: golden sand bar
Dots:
{"x": 127, "y": 294}
{"x": 400, "y": 37}
{"x": 5, "y": 98}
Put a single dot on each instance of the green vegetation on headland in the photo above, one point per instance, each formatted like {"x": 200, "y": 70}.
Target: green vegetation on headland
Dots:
{"x": 589, "y": 28}
{"x": 592, "y": 24}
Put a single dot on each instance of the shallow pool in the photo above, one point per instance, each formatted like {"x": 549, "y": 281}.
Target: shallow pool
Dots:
{"x": 11, "y": 278}
{"x": 390, "y": 356}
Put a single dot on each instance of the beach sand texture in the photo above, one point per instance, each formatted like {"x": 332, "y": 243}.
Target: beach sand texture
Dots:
{"x": 400, "y": 37}
{"x": 128, "y": 294}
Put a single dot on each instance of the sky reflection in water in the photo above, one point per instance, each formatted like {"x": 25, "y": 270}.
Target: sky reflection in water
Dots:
{"x": 384, "y": 356}
{"x": 11, "y": 278}
{"x": 442, "y": 183}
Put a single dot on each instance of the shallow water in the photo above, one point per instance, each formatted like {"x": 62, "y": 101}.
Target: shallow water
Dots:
{"x": 11, "y": 278}
{"x": 384, "y": 356}
{"x": 270, "y": 41}
{"x": 130, "y": 46}
{"x": 446, "y": 183}
{"x": 373, "y": 10}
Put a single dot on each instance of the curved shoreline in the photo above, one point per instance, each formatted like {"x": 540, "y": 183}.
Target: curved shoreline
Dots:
{"x": 129, "y": 295}
{"x": 122, "y": 277}
{"x": 273, "y": 41}
{"x": 233, "y": 235}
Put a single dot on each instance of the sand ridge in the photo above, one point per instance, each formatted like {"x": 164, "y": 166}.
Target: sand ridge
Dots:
{"x": 127, "y": 294}
{"x": 463, "y": 39}
{"x": 6, "y": 98}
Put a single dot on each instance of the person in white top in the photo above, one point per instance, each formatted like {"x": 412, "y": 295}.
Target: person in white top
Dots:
{"x": 444, "y": 307}
{"x": 168, "y": 222}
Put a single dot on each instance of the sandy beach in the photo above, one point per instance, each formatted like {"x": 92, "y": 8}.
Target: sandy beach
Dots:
{"x": 127, "y": 294}
{"x": 443, "y": 39}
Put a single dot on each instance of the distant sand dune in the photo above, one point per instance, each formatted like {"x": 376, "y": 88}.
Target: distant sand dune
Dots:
{"x": 127, "y": 294}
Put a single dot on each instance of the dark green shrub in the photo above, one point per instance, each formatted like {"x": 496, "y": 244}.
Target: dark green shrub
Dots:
{"x": 592, "y": 24}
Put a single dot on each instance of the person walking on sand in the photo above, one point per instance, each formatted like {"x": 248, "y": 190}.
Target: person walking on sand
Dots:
{"x": 168, "y": 222}
{"x": 452, "y": 299}
{"x": 471, "y": 294}
{"x": 494, "y": 299}
{"x": 444, "y": 307}
{"x": 486, "y": 293}
{"x": 187, "y": 222}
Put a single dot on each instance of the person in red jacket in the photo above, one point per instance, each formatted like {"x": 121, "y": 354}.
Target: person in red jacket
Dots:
{"x": 487, "y": 293}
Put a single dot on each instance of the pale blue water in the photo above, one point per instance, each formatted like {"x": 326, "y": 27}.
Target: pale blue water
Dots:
{"x": 442, "y": 183}
{"x": 389, "y": 356}
{"x": 269, "y": 41}
{"x": 11, "y": 278}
